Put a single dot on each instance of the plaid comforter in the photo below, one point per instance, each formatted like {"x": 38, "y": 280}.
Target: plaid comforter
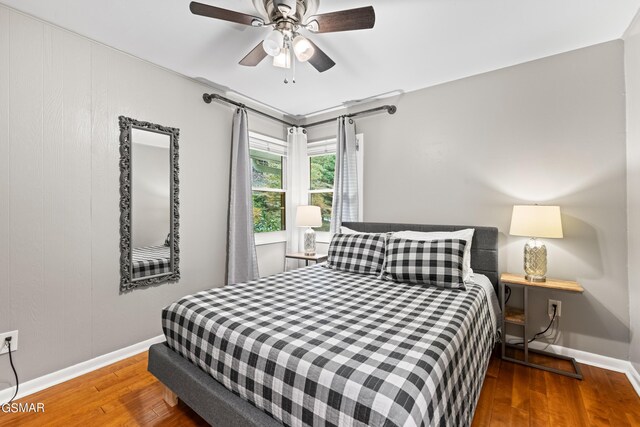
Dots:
{"x": 150, "y": 260}
{"x": 315, "y": 346}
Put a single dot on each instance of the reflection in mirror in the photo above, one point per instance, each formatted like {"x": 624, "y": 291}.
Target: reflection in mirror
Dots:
{"x": 149, "y": 220}
{"x": 150, "y": 204}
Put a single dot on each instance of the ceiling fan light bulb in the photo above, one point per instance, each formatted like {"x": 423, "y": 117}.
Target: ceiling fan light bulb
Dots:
{"x": 303, "y": 48}
{"x": 272, "y": 44}
{"x": 283, "y": 60}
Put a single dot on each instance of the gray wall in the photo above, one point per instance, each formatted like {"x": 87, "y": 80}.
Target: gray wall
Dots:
{"x": 632, "y": 65}
{"x": 550, "y": 131}
{"x": 60, "y": 98}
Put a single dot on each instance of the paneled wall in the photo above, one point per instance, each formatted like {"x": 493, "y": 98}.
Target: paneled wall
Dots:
{"x": 551, "y": 131}
{"x": 60, "y": 98}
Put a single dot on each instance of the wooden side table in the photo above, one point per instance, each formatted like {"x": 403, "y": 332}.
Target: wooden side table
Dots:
{"x": 516, "y": 316}
{"x": 300, "y": 255}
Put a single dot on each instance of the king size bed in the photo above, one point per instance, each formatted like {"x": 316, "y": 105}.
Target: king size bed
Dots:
{"x": 321, "y": 346}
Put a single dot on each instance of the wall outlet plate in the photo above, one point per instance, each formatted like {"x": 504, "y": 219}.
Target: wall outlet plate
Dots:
{"x": 14, "y": 342}
{"x": 550, "y": 308}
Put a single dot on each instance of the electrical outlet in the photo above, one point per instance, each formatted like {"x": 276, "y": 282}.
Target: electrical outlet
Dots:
{"x": 14, "y": 342}
{"x": 553, "y": 302}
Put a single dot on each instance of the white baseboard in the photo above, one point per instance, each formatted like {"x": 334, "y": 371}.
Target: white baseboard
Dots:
{"x": 74, "y": 371}
{"x": 592, "y": 359}
{"x": 82, "y": 368}
{"x": 634, "y": 378}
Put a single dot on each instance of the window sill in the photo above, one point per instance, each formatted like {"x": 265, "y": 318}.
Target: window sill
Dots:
{"x": 270, "y": 238}
{"x": 323, "y": 237}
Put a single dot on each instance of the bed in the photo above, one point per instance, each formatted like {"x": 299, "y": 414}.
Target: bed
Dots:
{"x": 150, "y": 261}
{"x": 315, "y": 346}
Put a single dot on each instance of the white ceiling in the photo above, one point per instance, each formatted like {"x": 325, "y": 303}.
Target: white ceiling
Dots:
{"x": 415, "y": 43}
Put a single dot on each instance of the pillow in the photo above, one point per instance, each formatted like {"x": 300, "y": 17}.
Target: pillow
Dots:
{"x": 465, "y": 234}
{"x": 347, "y": 230}
{"x": 434, "y": 262}
{"x": 357, "y": 253}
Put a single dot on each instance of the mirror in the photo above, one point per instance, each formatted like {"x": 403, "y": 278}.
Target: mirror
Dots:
{"x": 149, "y": 236}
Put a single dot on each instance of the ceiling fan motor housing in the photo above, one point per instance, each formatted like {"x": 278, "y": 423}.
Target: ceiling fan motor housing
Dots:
{"x": 299, "y": 9}
{"x": 286, "y": 7}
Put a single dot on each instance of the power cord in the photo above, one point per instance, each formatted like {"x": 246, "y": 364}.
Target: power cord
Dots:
{"x": 508, "y": 290}
{"x": 7, "y": 342}
{"x": 555, "y": 310}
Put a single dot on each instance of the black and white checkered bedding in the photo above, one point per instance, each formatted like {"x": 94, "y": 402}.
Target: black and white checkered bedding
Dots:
{"x": 150, "y": 260}
{"x": 316, "y": 346}
{"x": 357, "y": 252}
{"x": 435, "y": 262}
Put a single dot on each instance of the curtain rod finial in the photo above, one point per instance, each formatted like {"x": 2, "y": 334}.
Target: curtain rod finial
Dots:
{"x": 207, "y": 98}
{"x": 392, "y": 109}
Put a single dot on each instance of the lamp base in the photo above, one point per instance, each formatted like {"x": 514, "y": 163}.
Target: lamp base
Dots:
{"x": 535, "y": 261}
{"x": 309, "y": 242}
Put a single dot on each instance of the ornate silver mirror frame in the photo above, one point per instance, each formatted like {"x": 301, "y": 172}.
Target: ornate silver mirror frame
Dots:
{"x": 127, "y": 280}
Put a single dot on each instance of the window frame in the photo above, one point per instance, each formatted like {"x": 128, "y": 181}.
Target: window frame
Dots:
{"x": 330, "y": 148}
{"x": 258, "y": 142}
{"x": 310, "y": 192}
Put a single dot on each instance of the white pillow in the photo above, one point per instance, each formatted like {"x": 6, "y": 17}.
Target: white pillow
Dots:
{"x": 466, "y": 234}
{"x": 346, "y": 230}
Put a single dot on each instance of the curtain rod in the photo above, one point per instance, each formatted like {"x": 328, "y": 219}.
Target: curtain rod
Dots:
{"x": 210, "y": 97}
{"x": 391, "y": 109}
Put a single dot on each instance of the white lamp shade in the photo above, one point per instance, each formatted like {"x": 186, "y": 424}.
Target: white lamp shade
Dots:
{"x": 273, "y": 43}
{"x": 308, "y": 216}
{"x": 536, "y": 221}
{"x": 303, "y": 48}
{"x": 283, "y": 59}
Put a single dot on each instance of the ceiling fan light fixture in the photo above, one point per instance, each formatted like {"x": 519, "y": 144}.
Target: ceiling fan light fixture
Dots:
{"x": 303, "y": 48}
{"x": 283, "y": 60}
{"x": 272, "y": 44}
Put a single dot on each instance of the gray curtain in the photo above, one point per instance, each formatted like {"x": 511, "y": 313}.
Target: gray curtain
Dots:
{"x": 345, "y": 186}
{"x": 242, "y": 262}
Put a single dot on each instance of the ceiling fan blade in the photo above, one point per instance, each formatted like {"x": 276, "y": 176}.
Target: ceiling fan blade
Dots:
{"x": 224, "y": 14}
{"x": 254, "y": 57}
{"x": 345, "y": 20}
{"x": 320, "y": 60}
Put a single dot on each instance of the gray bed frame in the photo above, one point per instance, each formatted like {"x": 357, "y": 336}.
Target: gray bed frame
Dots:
{"x": 221, "y": 407}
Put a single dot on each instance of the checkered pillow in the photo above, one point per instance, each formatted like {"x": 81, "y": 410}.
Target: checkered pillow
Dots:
{"x": 357, "y": 253}
{"x": 436, "y": 262}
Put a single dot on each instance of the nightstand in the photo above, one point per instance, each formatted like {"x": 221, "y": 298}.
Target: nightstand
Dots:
{"x": 300, "y": 255}
{"x": 516, "y": 316}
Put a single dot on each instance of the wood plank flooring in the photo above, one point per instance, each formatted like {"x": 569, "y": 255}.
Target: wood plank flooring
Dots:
{"x": 125, "y": 394}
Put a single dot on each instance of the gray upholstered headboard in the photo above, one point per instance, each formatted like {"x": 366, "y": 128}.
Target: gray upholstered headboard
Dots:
{"x": 484, "y": 248}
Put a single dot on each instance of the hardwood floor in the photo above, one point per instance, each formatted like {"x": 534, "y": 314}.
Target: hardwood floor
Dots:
{"x": 125, "y": 394}
{"x": 515, "y": 395}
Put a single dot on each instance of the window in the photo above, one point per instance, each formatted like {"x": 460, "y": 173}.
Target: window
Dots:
{"x": 321, "y": 174}
{"x": 322, "y": 166}
{"x": 268, "y": 168}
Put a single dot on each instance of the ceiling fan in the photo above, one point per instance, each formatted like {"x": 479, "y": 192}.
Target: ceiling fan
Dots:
{"x": 286, "y": 18}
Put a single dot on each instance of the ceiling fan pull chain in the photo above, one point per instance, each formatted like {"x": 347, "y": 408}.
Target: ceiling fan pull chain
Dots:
{"x": 293, "y": 66}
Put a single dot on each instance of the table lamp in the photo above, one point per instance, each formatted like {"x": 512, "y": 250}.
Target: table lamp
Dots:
{"x": 536, "y": 221}
{"x": 309, "y": 216}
